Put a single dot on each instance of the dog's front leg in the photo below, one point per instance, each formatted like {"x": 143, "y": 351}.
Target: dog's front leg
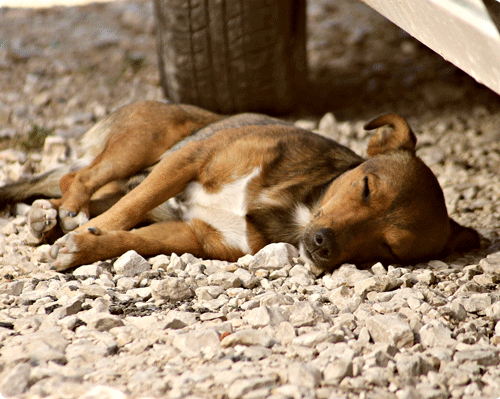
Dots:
{"x": 84, "y": 247}
{"x": 93, "y": 244}
{"x": 169, "y": 178}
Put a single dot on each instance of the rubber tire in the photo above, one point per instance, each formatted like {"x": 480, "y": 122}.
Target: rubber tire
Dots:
{"x": 232, "y": 56}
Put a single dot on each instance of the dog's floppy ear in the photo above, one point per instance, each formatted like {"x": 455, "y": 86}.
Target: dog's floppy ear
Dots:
{"x": 462, "y": 239}
{"x": 400, "y": 137}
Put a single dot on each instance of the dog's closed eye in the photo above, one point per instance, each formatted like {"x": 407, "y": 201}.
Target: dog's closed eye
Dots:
{"x": 366, "y": 189}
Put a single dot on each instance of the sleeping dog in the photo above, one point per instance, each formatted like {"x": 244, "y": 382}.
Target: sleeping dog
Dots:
{"x": 176, "y": 178}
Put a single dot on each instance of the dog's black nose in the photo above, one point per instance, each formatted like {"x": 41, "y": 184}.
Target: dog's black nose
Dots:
{"x": 323, "y": 241}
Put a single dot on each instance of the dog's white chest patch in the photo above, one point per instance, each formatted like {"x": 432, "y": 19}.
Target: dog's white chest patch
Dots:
{"x": 302, "y": 216}
{"x": 224, "y": 210}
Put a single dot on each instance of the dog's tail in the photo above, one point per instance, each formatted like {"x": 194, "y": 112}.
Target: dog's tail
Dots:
{"x": 43, "y": 185}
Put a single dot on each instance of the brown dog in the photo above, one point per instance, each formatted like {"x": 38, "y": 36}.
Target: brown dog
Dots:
{"x": 193, "y": 181}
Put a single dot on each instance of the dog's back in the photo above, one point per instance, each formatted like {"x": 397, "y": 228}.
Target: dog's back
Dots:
{"x": 92, "y": 143}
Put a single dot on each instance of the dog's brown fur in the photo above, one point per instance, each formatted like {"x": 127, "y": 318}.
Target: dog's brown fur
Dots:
{"x": 238, "y": 184}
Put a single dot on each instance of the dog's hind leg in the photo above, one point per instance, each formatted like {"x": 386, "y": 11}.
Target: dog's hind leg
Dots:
{"x": 122, "y": 157}
{"x": 42, "y": 220}
{"x": 43, "y": 216}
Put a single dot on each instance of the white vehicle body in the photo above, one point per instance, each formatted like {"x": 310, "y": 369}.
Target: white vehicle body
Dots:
{"x": 464, "y": 32}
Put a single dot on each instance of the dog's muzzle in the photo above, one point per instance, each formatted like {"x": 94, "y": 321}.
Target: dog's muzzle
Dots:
{"x": 319, "y": 247}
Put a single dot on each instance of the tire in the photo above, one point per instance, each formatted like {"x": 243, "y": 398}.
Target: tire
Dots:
{"x": 231, "y": 56}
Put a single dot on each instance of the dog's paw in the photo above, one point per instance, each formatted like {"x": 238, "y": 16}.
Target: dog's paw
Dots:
{"x": 74, "y": 249}
{"x": 64, "y": 252}
{"x": 42, "y": 218}
{"x": 69, "y": 221}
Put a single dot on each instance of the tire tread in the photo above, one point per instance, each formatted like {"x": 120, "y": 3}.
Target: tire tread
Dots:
{"x": 226, "y": 55}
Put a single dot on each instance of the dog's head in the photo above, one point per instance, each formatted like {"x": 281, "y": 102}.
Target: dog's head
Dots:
{"x": 389, "y": 208}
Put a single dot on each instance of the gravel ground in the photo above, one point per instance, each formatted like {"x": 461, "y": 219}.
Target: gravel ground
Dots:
{"x": 264, "y": 327}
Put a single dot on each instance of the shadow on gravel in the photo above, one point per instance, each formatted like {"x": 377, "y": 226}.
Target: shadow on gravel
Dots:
{"x": 352, "y": 97}
{"x": 362, "y": 65}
